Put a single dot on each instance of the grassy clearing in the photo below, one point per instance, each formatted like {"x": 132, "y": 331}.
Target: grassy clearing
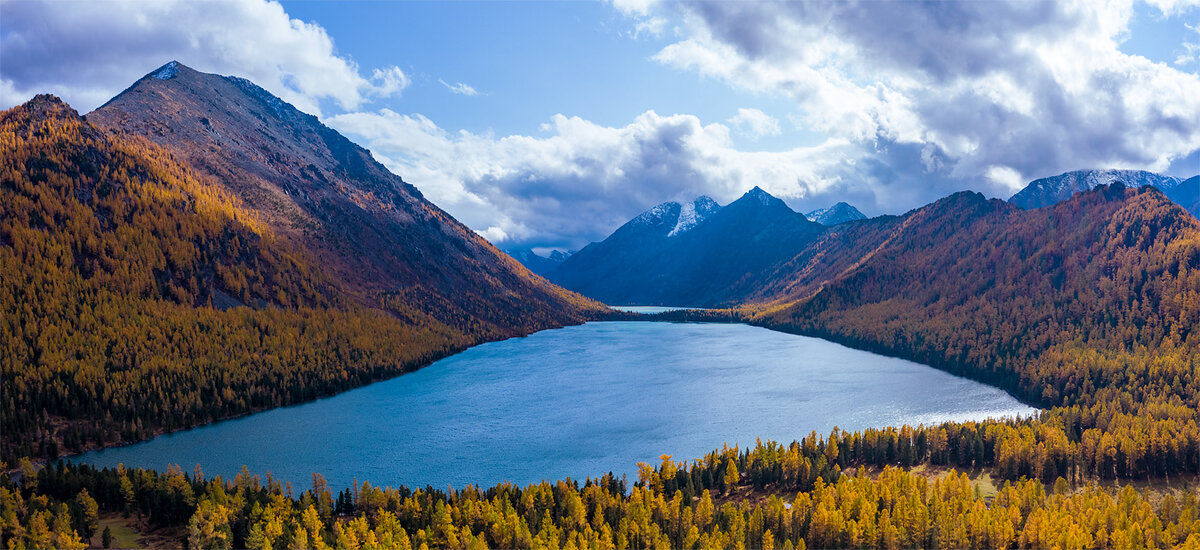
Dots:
{"x": 123, "y": 534}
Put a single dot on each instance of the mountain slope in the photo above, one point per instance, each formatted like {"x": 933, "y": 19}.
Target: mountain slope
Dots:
{"x": 657, "y": 259}
{"x": 127, "y": 257}
{"x": 1056, "y": 303}
{"x": 1186, "y": 194}
{"x": 1047, "y": 191}
{"x": 838, "y": 213}
{"x": 320, "y": 192}
{"x": 112, "y": 253}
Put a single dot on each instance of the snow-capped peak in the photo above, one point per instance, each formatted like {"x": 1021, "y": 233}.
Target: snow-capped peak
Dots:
{"x": 658, "y": 213}
{"x": 693, "y": 213}
{"x": 838, "y": 213}
{"x": 1047, "y": 191}
{"x": 167, "y": 72}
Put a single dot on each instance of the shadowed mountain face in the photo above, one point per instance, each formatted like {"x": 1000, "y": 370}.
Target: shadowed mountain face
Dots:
{"x": 1047, "y": 191}
{"x": 688, "y": 255}
{"x": 1186, "y": 194}
{"x": 330, "y": 198}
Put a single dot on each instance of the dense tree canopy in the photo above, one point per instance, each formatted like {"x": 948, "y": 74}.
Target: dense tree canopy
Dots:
{"x": 139, "y": 297}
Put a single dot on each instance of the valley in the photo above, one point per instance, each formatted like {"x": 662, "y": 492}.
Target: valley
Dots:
{"x": 198, "y": 256}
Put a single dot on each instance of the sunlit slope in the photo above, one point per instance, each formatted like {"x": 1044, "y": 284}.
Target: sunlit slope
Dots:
{"x": 1084, "y": 301}
{"x": 139, "y": 295}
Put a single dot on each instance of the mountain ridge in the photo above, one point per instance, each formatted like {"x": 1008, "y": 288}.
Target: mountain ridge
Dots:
{"x": 840, "y": 212}
{"x": 203, "y": 250}
{"x": 645, "y": 262}
{"x": 1043, "y": 192}
{"x": 325, "y": 194}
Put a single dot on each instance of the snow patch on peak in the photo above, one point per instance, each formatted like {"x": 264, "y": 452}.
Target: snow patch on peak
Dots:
{"x": 1046, "y": 191}
{"x": 693, "y": 213}
{"x": 838, "y": 213}
{"x": 658, "y": 213}
{"x": 167, "y": 72}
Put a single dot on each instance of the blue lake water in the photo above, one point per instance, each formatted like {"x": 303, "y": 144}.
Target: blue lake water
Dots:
{"x": 576, "y": 402}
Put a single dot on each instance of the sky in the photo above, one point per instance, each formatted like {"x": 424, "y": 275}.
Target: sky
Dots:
{"x": 549, "y": 124}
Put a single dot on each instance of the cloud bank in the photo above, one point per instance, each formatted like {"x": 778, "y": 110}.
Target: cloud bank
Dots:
{"x": 978, "y": 91}
{"x": 580, "y": 180}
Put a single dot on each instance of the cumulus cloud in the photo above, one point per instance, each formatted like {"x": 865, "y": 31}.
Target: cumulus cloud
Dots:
{"x": 754, "y": 123}
{"x": 460, "y": 88}
{"x": 87, "y": 52}
{"x": 975, "y": 91}
{"x": 581, "y": 180}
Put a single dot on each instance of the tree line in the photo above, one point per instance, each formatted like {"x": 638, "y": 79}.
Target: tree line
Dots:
{"x": 670, "y": 506}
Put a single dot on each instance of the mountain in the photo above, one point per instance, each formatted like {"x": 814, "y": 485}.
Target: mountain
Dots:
{"x": 1059, "y": 304}
{"x": 1047, "y": 191}
{"x": 838, "y": 213}
{"x": 198, "y": 249}
{"x": 687, "y": 255}
{"x": 327, "y": 196}
{"x": 1186, "y": 194}
{"x": 537, "y": 263}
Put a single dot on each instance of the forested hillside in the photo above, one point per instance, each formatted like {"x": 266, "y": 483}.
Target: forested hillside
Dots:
{"x": 320, "y": 193}
{"x": 1088, "y": 307}
{"x": 124, "y": 276}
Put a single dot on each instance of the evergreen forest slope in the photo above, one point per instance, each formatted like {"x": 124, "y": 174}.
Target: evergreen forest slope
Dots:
{"x": 126, "y": 273}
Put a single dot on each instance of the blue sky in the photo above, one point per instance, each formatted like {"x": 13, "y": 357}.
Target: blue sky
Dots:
{"x": 548, "y": 124}
{"x": 528, "y": 61}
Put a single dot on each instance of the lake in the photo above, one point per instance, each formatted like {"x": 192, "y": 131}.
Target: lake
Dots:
{"x": 576, "y": 402}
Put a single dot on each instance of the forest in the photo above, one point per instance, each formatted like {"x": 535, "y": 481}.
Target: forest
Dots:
{"x": 122, "y": 302}
{"x": 769, "y": 496}
{"x": 140, "y": 297}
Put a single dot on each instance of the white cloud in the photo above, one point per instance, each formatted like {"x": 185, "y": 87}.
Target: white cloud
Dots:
{"x": 460, "y": 88}
{"x": 754, "y": 123}
{"x": 1007, "y": 177}
{"x": 87, "y": 52}
{"x": 650, "y": 26}
{"x": 582, "y": 180}
{"x": 389, "y": 82}
{"x": 1190, "y": 54}
{"x": 1174, "y": 7}
{"x": 1034, "y": 87}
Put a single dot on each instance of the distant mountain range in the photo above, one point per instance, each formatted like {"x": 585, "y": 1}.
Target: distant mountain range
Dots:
{"x": 537, "y": 263}
{"x": 780, "y": 256}
{"x": 838, "y": 213}
{"x": 1047, "y": 191}
{"x": 687, "y": 254}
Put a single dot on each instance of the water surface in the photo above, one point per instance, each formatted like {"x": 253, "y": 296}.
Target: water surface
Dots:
{"x": 576, "y": 402}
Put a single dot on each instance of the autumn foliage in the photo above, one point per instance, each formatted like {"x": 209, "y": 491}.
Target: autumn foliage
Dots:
{"x": 138, "y": 297}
